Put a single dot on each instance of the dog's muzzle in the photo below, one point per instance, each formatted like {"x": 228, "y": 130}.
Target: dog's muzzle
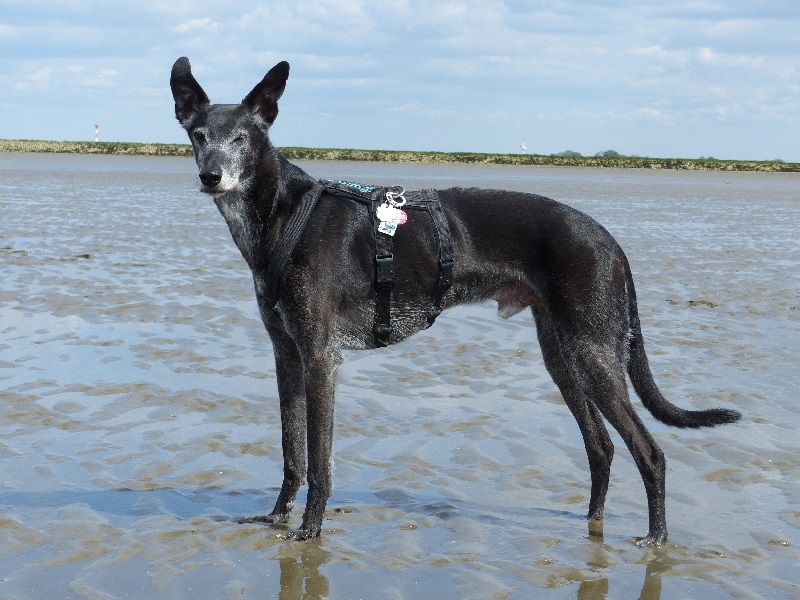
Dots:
{"x": 210, "y": 177}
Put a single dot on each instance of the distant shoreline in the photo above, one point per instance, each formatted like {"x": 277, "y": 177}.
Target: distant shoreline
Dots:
{"x": 618, "y": 162}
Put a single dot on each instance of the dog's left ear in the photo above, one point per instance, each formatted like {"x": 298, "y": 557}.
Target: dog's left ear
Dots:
{"x": 263, "y": 100}
{"x": 189, "y": 96}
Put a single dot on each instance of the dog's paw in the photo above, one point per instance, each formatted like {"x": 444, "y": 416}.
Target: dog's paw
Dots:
{"x": 302, "y": 534}
{"x": 269, "y": 519}
{"x": 651, "y": 539}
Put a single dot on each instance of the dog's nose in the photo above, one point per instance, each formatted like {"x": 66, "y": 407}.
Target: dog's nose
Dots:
{"x": 210, "y": 177}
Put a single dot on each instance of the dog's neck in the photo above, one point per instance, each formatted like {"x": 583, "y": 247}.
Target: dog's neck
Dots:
{"x": 256, "y": 211}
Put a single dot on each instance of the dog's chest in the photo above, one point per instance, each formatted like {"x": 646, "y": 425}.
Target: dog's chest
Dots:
{"x": 242, "y": 226}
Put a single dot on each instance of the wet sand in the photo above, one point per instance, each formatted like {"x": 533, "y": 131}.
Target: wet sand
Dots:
{"x": 139, "y": 420}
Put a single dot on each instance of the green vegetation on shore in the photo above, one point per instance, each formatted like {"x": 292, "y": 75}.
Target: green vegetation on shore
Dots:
{"x": 129, "y": 148}
{"x": 568, "y": 159}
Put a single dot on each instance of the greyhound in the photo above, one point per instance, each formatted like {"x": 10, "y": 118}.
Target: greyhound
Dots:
{"x": 521, "y": 250}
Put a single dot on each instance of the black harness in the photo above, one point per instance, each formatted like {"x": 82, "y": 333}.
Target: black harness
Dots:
{"x": 374, "y": 197}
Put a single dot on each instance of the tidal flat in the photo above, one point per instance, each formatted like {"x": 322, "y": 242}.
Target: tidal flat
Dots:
{"x": 139, "y": 418}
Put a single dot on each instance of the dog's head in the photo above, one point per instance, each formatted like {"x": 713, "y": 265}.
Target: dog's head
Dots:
{"x": 227, "y": 138}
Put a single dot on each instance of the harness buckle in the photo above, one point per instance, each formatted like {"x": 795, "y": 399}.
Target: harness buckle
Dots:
{"x": 384, "y": 271}
{"x": 445, "y": 274}
{"x": 382, "y": 334}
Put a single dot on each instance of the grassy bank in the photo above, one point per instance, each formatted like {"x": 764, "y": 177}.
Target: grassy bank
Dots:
{"x": 619, "y": 162}
{"x": 129, "y": 148}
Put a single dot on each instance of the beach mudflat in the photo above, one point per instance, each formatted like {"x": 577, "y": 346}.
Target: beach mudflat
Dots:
{"x": 139, "y": 417}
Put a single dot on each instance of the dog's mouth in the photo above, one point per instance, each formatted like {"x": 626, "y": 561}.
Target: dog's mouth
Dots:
{"x": 212, "y": 191}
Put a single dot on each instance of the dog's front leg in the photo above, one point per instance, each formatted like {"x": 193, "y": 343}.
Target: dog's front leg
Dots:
{"x": 292, "y": 394}
{"x": 320, "y": 384}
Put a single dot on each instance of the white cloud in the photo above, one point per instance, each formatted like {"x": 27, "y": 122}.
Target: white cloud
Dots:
{"x": 203, "y": 25}
{"x": 732, "y": 61}
{"x": 35, "y": 77}
{"x": 421, "y": 69}
{"x": 419, "y": 109}
{"x": 657, "y": 54}
{"x": 652, "y": 114}
{"x": 96, "y": 79}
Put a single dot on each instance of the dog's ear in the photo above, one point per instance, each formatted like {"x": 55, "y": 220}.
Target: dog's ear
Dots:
{"x": 189, "y": 96}
{"x": 263, "y": 100}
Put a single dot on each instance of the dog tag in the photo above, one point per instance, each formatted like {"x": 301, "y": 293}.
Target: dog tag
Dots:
{"x": 387, "y": 227}
{"x": 387, "y": 213}
{"x": 389, "y": 217}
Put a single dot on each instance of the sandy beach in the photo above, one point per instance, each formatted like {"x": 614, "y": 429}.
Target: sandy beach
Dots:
{"x": 139, "y": 417}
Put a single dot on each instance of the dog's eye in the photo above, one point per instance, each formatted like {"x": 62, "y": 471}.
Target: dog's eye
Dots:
{"x": 199, "y": 136}
{"x": 240, "y": 139}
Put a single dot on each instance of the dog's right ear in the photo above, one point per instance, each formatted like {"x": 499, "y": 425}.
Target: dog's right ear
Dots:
{"x": 263, "y": 100}
{"x": 189, "y": 96}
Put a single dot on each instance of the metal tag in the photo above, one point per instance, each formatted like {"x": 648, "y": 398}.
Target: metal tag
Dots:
{"x": 387, "y": 213}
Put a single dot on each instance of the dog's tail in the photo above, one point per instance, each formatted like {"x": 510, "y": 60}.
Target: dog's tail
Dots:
{"x": 646, "y": 388}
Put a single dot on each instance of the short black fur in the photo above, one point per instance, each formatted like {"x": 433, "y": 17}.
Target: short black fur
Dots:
{"x": 522, "y": 250}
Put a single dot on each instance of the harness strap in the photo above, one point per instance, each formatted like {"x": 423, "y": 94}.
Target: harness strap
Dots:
{"x": 384, "y": 254}
{"x": 426, "y": 200}
{"x": 446, "y": 259}
{"x": 288, "y": 241}
{"x": 384, "y": 276}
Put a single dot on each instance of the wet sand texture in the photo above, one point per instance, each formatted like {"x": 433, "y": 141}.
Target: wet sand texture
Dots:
{"x": 139, "y": 419}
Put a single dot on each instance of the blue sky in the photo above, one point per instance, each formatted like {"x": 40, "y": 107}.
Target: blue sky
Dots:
{"x": 693, "y": 78}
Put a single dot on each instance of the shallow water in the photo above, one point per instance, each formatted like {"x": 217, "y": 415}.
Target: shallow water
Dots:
{"x": 139, "y": 421}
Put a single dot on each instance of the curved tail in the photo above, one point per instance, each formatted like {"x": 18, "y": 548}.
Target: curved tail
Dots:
{"x": 646, "y": 388}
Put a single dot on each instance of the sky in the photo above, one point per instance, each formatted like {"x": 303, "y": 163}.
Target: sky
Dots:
{"x": 682, "y": 79}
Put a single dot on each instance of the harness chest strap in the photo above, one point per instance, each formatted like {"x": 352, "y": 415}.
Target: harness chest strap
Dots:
{"x": 288, "y": 241}
{"x": 446, "y": 257}
{"x": 384, "y": 260}
{"x": 384, "y": 277}
{"x": 384, "y": 257}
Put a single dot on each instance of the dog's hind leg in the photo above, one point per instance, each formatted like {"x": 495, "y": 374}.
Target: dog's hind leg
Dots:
{"x": 598, "y": 371}
{"x": 599, "y": 447}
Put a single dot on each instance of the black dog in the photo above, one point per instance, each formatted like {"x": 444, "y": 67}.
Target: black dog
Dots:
{"x": 313, "y": 257}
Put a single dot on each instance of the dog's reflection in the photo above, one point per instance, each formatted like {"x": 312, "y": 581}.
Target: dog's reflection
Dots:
{"x": 300, "y": 574}
{"x": 597, "y": 589}
{"x": 301, "y": 579}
